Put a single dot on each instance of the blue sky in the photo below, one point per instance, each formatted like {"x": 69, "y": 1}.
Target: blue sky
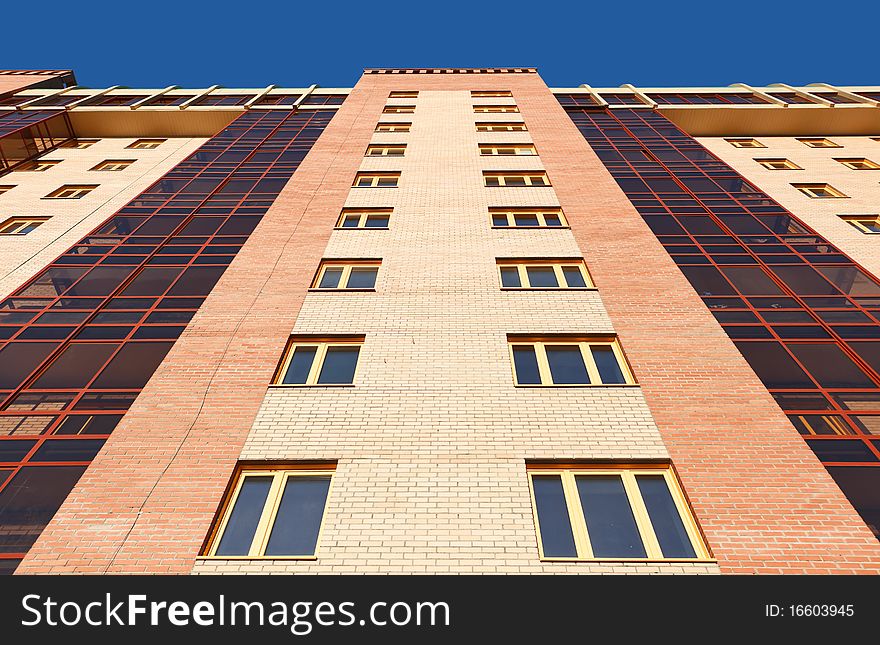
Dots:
{"x": 251, "y": 43}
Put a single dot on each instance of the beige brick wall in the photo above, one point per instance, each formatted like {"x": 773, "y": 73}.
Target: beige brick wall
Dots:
{"x": 861, "y": 186}
{"x": 22, "y": 256}
{"x": 432, "y": 439}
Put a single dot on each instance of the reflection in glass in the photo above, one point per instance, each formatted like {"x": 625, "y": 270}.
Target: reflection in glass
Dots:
{"x": 298, "y": 520}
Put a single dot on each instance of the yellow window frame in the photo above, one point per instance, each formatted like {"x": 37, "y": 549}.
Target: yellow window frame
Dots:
{"x": 79, "y": 144}
{"x": 374, "y": 178}
{"x": 38, "y": 166}
{"x": 779, "y": 164}
{"x": 14, "y": 225}
{"x": 385, "y": 150}
{"x": 497, "y": 126}
{"x": 858, "y": 222}
{"x": 266, "y": 523}
{"x": 489, "y": 94}
{"x": 113, "y": 165}
{"x": 322, "y": 345}
{"x": 363, "y": 214}
{"x": 557, "y": 266}
{"x": 519, "y": 149}
{"x": 859, "y": 163}
{"x": 818, "y": 142}
{"x": 628, "y": 476}
{"x": 146, "y": 144}
{"x": 346, "y": 268}
{"x": 745, "y": 143}
{"x": 399, "y": 109}
{"x": 811, "y": 190}
{"x": 393, "y": 127}
{"x": 5, "y": 188}
{"x": 529, "y": 177}
{"x": 496, "y": 109}
{"x": 403, "y": 94}
{"x": 540, "y": 213}
{"x": 540, "y": 345}
{"x": 71, "y": 191}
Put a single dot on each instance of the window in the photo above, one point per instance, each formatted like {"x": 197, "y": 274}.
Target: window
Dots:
{"x": 6, "y": 188}
{"x": 859, "y": 163}
{"x": 527, "y": 218}
{"x": 376, "y": 180}
{"x": 385, "y": 150}
{"x": 113, "y": 165}
{"x": 393, "y": 127}
{"x": 818, "y": 142}
{"x": 745, "y": 143}
{"x": 599, "y": 512}
{"x": 146, "y": 144}
{"x": 778, "y": 164}
{"x": 495, "y": 109}
{"x": 20, "y": 225}
{"x": 489, "y": 94}
{"x": 342, "y": 274}
{"x": 364, "y": 218}
{"x": 562, "y": 361}
{"x": 544, "y": 274}
{"x": 273, "y": 512}
{"x": 37, "y": 166}
{"x": 70, "y": 191}
{"x": 319, "y": 361}
{"x": 401, "y": 94}
{"x": 865, "y": 223}
{"x": 79, "y": 144}
{"x": 501, "y": 127}
{"x": 399, "y": 109}
{"x": 819, "y": 190}
{"x": 513, "y": 179}
{"x": 507, "y": 149}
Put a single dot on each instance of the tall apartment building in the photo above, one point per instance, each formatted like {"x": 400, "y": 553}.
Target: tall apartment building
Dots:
{"x": 446, "y": 321}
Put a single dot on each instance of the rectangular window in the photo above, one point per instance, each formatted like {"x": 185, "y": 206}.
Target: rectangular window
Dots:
{"x": 515, "y": 179}
{"x": 319, "y": 361}
{"x": 364, "y": 218}
{"x": 37, "y": 166}
{"x": 503, "y": 217}
{"x": 71, "y": 191}
{"x": 491, "y": 126}
{"x": 745, "y": 143}
{"x": 495, "y": 109}
{"x": 344, "y": 274}
{"x": 6, "y": 188}
{"x": 612, "y": 512}
{"x": 819, "y": 191}
{"x": 401, "y": 94}
{"x": 146, "y": 144}
{"x": 778, "y": 164}
{"x": 376, "y": 180}
{"x": 399, "y": 109}
{"x": 114, "y": 165}
{"x": 20, "y": 225}
{"x": 859, "y": 163}
{"x": 273, "y": 512}
{"x": 818, "y": 142}
{"x": 393, "y": 127}
{"x": 544, "y": 274}
{"x": 869, "y": 224}
{"x": 79, "y": 144}
{"x": 566, "y": 361}
{"x": 491, "y": 94}
{"x": 507, "y": 149}
{"x": 385, "y": 150}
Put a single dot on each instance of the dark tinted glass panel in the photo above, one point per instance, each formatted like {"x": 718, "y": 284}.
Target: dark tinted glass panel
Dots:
{"x": 861, "y": 485}
{"x": 707, "y": 281}
{"x": 567, "y": 365}
{"x": 774, "y": 366}
{"x": 525, "y": 220}
{"x": 362, "y": 278}
{"x": 197, "y": 281}
{"x": 17, "y": 360}
{"x": 526, "y": 364}
{"x": 300, "y": 364}
{"x": 542, "y": 277}
{"x": 339, "y": 365}
{"x": 573, "y": 277}
{"x": 296, "y": 526}
{"x": 510, "y": 277}
{"x": 88, "y": 424}
{"x": 610, "y": 522}
{"x": 68, "y": 450}
{"x": 14, "y": 450}
{"x": 557, "y": 539}
{"x": 606, "y": 361}
{"x": 830, "y": 366}
{"x": 843, "y": 450}
{"x": 667, "y": 523}
{"x": 76, "y": 365}
{"x": 330, "y": 279}
{"x": 752, "y": 281}
{"x": 8, "y": 566}
{"x": 376, "y": 221}
{"x": 246, "y": 512}
{"x": 29, "y": 501}
{"x": 133, "y": 366}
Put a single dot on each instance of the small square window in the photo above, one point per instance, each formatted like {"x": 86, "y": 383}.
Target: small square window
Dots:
{"x": 113, "y": 165}
{"x": 71, "y": 191}
{"x": 404, "y": 94}
{"x": 869, "y": 224}
{"x": 393, "y": 127}
{"x": 399, "y": 109}
{"x": 79, "y": 144}
{"x": 385, "y": 150}
{"x": 20, "y": 225}
{"x": 347, "y": 275}
{"x": 376, "y": 180}
{"x": 745, "y": 143}
{"x": 361, "y": 218}
{"x": 859, "y": 163}
{"x": 779, "y": 164}
{"x": 819, "y": 191}
{"x": 37, "y": 166}
{"x": 319, "y": 361}
{"x": 818, "y": 142}
{"x": 146, "y": 144}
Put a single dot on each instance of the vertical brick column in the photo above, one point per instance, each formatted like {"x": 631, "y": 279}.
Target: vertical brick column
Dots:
{"x": 765, "y": 502}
